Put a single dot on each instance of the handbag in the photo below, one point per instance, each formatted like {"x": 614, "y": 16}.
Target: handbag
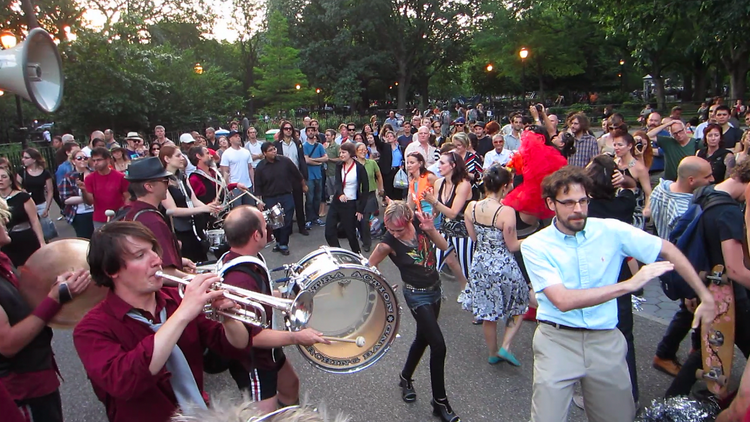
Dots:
{"x": 48, "y": 228}
{"x": 401, "y": 180}
{"x": 455, "y": 227}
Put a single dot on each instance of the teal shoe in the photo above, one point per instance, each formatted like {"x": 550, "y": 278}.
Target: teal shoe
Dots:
{"x": 508, "y": 357}
{"x": 494, "y": 360}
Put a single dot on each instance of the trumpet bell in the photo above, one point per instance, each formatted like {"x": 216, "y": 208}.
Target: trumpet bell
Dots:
{"x": 40, "y": 272}
{"x": 298, "y": 315}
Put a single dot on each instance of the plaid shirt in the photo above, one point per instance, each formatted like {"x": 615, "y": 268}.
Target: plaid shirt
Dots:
{"x": 69, "y": 189}
{"x": 586, "y": 149}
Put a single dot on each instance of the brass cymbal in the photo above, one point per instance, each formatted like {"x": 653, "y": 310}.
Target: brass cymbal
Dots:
{"x": 41, "y": 270}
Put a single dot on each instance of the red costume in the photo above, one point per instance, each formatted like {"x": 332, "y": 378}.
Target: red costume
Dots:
{"x": 534, "y": 161}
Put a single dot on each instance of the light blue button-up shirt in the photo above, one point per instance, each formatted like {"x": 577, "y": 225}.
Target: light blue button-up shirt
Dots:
{"x": 592, "y": 258}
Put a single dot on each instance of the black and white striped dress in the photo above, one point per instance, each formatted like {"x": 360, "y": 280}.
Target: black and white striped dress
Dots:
{"x": 463, "y": 246}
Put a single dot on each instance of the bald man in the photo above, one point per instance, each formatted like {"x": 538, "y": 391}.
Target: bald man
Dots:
{"x": 669, "y": 200}
{"x": 97, "y": 134}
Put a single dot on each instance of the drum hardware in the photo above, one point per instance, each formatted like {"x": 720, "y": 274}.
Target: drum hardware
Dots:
{"x": 359, "y": 341}
{"x": 298, "y": 310}
{"x": 274, "y": 216}
{"x": 216, "y": 239}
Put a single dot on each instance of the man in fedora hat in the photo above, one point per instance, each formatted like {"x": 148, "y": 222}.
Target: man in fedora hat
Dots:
{"x": 149, "y": 182}
{"x": 105, "y": 188}
{"x": 134, "y": 142}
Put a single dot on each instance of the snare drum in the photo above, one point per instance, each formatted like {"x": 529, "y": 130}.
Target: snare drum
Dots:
{"x": 216, "y": 239}
{"x": 351, "y": 300}
{"x": 274, "y": 217}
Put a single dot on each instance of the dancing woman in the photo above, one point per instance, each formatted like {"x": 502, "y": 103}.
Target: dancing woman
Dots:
{"x": 411, "y": 246}
{"x": 497, "y": 290}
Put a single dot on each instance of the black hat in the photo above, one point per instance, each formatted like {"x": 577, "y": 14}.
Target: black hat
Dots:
{"x": 148, "y": 168}
{"x": 479, "y": 123}
{"x": 232, "y": 133}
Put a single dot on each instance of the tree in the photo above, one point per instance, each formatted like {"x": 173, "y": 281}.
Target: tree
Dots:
{"x": 278, "y": 70}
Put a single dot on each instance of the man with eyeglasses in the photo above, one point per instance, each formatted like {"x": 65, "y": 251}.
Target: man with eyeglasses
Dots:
{"x": 675, "y": 147}
{"x": 573, "y": 266}
{"x": 104, "y": 188}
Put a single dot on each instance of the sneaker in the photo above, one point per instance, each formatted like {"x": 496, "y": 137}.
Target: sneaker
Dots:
{"x": 668, "y": 366}
{"x": 319, "y": 222}
{"x": 284, "y": 250}
{"x": 308, "y": 225}
{"x": 461, "y": 297}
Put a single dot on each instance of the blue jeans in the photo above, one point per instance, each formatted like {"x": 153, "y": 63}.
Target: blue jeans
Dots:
{"x": 287, "y": 202}
{"x": 313, "y": 196}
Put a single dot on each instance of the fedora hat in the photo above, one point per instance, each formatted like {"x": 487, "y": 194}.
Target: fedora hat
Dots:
{"x": 134, "y": 136}
{"x": 148, "y": 168}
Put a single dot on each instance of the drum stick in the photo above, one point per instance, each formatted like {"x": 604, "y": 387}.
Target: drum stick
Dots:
{"x": 109, "y": 214}
{"x": 236, "y": 198}
{"x": 359, "y": 341}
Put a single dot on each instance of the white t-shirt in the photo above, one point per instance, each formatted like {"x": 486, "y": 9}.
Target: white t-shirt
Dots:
{"x": 290, "y": 151}
{"x": 493, "y": 157}
{"x": 237, "y": 161}
{"x": 349, "y": 179}
{"x": 254, "y": 150}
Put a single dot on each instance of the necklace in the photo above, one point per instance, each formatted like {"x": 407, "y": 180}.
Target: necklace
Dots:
{"x": 4, "y": 196}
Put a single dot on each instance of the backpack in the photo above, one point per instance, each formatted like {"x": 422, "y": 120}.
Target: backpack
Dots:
{"x": 689, "y": 237}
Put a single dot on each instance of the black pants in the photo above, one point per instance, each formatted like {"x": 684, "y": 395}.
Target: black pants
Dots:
{"x": 299, "y": 205}
{"x": 683, "y": 382}
{"x": 46, "y": 408}
{"x": 364, "y": 224}
{"x": 679, "y": 327}
{"x": 390, "y": 191}
{"x": 343, "y": 212}
{"x": 625, "y": 325}
{"x": 428, "y": 334}
{"x": 83, "y": 224}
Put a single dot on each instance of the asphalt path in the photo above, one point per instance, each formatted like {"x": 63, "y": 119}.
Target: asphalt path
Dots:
{"x": 476, "y": 390}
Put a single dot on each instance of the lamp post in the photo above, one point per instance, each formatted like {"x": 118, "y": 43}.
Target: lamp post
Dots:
{"x": 8, "y": 40}
{"x": 198, "y": 69}
{"x": 621, "y": 75}
{"x": 317, "y": 92}
{"x": 524, "y": 53}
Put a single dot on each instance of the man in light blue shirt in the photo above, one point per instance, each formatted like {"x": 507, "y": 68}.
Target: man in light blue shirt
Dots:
{"x": 573, "y": 266}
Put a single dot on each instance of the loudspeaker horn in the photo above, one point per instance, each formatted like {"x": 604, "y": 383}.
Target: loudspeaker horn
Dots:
{"x": 33, "y": 70}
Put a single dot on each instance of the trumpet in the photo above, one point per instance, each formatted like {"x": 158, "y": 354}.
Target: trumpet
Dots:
{"x": 297, "y": 311}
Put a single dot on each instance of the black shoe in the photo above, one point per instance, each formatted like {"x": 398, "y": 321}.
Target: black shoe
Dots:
{"x": 407, "y": 389}
{"x": 304, "y": 232}
{"x": 442, "y": 409}
{"x": 276, "y": 248}
{"x": 285, "y": 251}
{"x": 366, "y": 248}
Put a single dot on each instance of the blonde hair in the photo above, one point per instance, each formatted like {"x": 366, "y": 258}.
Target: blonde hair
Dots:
{"x": 4, "y": 211}
{"x": 225, "y": 409}
{"x": 398, "y": 213}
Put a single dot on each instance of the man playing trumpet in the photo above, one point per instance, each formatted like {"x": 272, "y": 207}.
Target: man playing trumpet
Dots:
{"x": 142, "y": 346}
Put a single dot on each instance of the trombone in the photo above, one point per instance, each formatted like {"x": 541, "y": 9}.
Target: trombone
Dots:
{"x": 297, "y": 311}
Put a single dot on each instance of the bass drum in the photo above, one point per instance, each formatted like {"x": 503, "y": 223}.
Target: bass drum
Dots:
{"x": 351, "y": 300}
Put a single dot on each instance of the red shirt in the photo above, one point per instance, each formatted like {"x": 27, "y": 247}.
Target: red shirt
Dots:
{"x": 116, "y": 351}
{"x": 108, "y": 192}
{"x": 197, "y": 184}
{"x": 155, "y": 222}
{"x": 8, "y": 406}
{"x": 260, "y": 358}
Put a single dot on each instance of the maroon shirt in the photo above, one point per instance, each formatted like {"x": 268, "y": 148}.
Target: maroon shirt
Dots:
{"x": 170, "y": 256}
{"x": 9, "y": 409}
{"x": 116, "y": 351}
{"x": 260, "y": 358}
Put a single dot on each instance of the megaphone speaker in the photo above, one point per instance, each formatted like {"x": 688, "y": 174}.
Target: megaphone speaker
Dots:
{"x": 33, "y": 70}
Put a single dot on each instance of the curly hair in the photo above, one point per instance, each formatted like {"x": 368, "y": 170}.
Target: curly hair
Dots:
{"x": 563, "y": 179}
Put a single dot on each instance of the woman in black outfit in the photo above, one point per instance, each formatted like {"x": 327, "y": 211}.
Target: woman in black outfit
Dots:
{"x": 608, "y": 202}
{"x": 391, "y": 159}
{"x": 23, "y": 227}
{"x": 36, "y": 180}
{"x": 720, "y": 158}
{"x": 411, "y": 246}
{"x": 349, "y": 198}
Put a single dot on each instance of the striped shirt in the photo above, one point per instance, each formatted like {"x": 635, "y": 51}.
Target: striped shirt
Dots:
{"x": 586, "y": 149}
{"x": 667, "y": 207}
{"x": 473, "y": 165}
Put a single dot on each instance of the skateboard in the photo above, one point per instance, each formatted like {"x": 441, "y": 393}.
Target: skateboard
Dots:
{"x": 717, "y": 345}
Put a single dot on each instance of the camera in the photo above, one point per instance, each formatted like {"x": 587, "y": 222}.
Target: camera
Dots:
{"x": 568, "y": 137}
{"x": 539, "y": 108}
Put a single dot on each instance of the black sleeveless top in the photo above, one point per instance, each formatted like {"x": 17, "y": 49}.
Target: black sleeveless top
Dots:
{"x": 718, "y": 168}
{"x": 449, "y": 202}
{"x": 178, "y": 188}
{"x": 417, "y": 264}
{"x": 210, "y": 186}
{"x": 37, "y": 355}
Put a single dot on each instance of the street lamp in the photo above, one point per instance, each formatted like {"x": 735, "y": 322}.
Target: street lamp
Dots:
{"x": 8, "y": 40}
{"x": 198, "y": 69}
{"x": 297, "y": 87}
{"x": 490, "y": 67}
{"x": 619, "y": 75}
{"x": 524, "y": 53}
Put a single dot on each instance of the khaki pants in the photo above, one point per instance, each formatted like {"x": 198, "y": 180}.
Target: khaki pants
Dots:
{"x": 597, "y": 359}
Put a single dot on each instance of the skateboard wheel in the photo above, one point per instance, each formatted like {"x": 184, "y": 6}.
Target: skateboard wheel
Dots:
{"x": 699, "y": 374}
{"x": 722, "y": 380}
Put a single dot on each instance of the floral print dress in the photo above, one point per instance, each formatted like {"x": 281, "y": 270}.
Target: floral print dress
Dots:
{"x": 496, "y": 288}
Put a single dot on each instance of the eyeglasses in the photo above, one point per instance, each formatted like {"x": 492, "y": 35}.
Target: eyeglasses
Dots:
{"x": 459, "y": 125}
{"x": 352, "y": 129}
{"x": 571, "y": 203}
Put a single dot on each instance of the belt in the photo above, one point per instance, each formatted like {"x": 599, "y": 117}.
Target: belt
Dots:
{"x": 562, "y": 327}
{"x": 396, "y": 167}
{"x": 432, "y": 288}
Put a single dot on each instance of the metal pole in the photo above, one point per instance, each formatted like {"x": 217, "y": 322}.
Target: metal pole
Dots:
{"x": 21, "y": 128}
{"x": 523, "y": 89}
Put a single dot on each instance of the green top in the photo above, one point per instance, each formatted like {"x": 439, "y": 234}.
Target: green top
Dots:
{"x": 332, "y": 152}
{"x": 673, "y": 154}
{"x": 372, "y": 169}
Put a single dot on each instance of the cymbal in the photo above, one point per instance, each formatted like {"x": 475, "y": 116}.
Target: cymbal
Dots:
{"x": 41, "y": 270}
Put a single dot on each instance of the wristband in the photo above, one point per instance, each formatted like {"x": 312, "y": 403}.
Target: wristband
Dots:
{"x": 47, "y": 309}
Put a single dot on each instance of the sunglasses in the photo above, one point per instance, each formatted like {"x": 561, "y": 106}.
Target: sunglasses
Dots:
{"x": 80, "y": 158}
{"x": 287, "y": 128}
{"x": 459, "y": 125}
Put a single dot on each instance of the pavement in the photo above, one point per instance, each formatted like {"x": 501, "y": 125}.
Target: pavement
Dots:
{"x": 476, "y": 390}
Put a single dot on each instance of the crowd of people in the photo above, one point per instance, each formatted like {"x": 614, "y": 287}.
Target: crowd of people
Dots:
{"x": 536, "y": 221}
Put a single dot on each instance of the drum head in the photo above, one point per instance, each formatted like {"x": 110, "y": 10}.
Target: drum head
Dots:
{"x": 351, "y": 301}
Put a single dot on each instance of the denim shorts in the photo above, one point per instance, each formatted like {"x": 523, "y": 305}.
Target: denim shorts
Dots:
{"x": 416, "y": 298}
